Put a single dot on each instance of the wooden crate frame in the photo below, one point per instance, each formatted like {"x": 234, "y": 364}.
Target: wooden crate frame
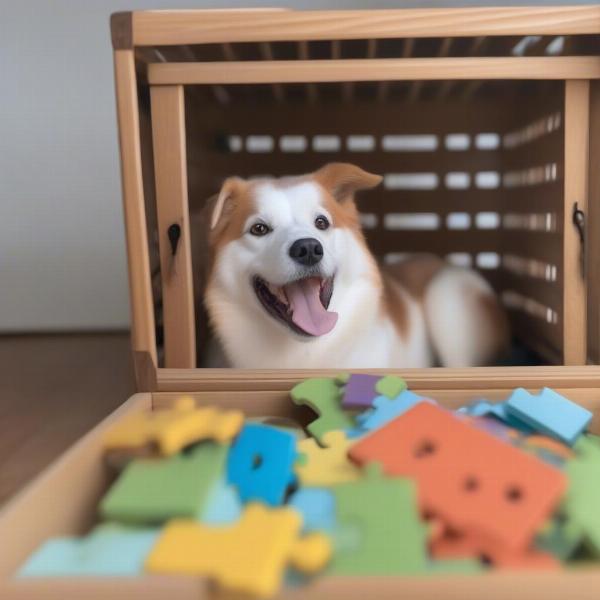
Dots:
{"x": 167, "y": 82}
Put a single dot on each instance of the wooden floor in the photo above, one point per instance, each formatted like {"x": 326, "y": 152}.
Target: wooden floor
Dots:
{"x": 54, "y": 388}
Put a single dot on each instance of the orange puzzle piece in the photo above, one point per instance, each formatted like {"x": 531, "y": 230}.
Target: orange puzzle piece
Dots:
{"x": 471, "y": 480}
{"x": 459, "y": 546}
{"x": 174, "y": 429}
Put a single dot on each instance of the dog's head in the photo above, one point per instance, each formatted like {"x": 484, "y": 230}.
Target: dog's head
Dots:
{"x": 280, "y": 245}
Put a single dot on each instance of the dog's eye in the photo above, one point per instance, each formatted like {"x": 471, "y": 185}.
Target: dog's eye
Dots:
{"x": 259, "y": 229}
{"x": 322, "y": 222}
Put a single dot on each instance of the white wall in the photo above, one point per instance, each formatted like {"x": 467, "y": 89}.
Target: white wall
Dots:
{"x": 62, "y": 255}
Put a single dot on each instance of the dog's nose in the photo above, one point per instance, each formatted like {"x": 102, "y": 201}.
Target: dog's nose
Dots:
{"x": 307, "y": 251}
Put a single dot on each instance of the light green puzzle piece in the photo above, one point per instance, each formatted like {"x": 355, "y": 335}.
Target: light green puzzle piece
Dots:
{"x": 324, "y": 396}
{"x": 390, "y": 386}
{"x": 581, "y": 504}
{"x": 455, "y": 566}
{"x": 153, "y": 491}
{"x": 392, "y": 539}
{"x": 560, "y": 537}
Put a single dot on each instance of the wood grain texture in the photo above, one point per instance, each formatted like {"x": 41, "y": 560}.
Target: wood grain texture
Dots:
{"x": 577, "y": 98}
{"x": 143, "y": 337}
{"x": 257, "y": 380}
{"x": 210, "y": 26}
{"x": 377, "y": 69}
{"x": 170, "y": 169}
{"x": 593, "y": 229}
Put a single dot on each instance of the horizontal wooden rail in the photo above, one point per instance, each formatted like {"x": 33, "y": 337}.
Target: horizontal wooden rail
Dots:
{"x": 217, "y": 26}
{"x": 224, "y": 380}
{"x": 383, "y": 69}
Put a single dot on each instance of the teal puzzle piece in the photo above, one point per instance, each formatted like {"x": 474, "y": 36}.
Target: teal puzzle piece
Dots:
{"x": 109, "y": 550}
{"x": 549, "y": 413}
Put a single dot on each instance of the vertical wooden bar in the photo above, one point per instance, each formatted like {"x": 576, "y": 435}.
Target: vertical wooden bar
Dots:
{"x": 170, "y": 168}
{"x": 143, "y": 336}
{"x": 593, "y": 230}
{"x": 577, "y": 98}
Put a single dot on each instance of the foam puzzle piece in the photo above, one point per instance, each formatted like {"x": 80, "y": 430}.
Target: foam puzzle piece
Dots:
{"x": 582, "y": 500}
{"x": 155, "y": 490}
{"x": 464, "y": 474}
{"x": 383, "y": 512}
{"x": 173, "y": 429}
{"x": 390, "y": 386}
{"x": 483, "y": 408}
{"x": 385, "y": 409}
{"x": 317, "y": 507}
{"x": 549, "y": 413}
{"x": 323, "y": 395}
{"x": 108, "y": 550}
{"x": 249, "y": 557}
{"x": 561, "y": 539}
{"x": 471, "y": 545}
{"x": 223, "y": 505}
{"x": 455, "y": 566}
{"x": 261, "y": 463}
{"x": 329, "y": 464}
{"x": 359, "y": 391}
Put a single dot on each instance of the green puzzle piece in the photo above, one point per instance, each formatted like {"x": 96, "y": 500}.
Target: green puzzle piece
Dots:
{"x": 581, "y": 504}
{"x": 455, "y": 566}
{"x": 390, "y": 386}
{"x": 153, "y": 491}
{"x": 560, "y": 537}
{"x": 324, "y": 396}
{"x": 383, "y": 512}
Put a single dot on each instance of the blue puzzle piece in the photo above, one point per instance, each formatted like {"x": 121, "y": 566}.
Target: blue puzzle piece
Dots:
{"x": 260, "y": 463}
{"x": 109, "y": 550}
{"x": 317, "y": 507}
{"x": 483, "y": 408}
{"x": 549, "y": 413}
{"x": 223, "y": 505}
{"x": 385, "y": 409}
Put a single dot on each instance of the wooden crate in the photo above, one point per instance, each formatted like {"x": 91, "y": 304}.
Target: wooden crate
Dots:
{"x": 481, "y": 120}
{"x": 486, "y": 124}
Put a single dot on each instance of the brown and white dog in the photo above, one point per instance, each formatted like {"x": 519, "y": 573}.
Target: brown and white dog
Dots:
{"x": 292, "y": 284}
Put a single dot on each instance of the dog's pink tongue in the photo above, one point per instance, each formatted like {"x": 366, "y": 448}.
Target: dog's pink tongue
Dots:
{"x": 307, "y": 311}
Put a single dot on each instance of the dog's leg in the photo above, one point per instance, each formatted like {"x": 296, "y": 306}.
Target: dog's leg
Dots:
{"x": 467, "y": 326}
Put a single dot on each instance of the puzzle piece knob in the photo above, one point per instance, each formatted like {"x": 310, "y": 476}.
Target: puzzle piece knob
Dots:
{"x": 311, "y": 553}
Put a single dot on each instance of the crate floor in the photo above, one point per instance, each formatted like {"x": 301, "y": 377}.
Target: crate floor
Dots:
{"x": 53, "y": 389}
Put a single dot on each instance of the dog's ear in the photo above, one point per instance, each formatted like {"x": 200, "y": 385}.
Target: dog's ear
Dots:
{"x": 230, "y": 189}
{"x": 342, "y": 180}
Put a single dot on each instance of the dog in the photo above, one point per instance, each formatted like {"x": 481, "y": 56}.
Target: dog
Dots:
{"x": 292, "y": 284}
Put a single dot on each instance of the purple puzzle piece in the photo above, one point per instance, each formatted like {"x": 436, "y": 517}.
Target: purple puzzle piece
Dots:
{"x": 360, "y": 391}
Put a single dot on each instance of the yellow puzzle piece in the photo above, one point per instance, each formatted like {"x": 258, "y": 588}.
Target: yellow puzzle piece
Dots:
{"x": 249, "y": 556}
{"x": 173, "y": 429}
{"x": 329, "y": 465}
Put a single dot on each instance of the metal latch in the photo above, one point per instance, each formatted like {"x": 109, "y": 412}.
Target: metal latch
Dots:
{"x": 579, "y": 222}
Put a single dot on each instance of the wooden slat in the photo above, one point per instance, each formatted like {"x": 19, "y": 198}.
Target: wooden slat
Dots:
{"x": 215, "y": 26}
{"x": 577, "y": 97}
{"x": 540, "y": 245}
{"x": 140, "y": 289}
{"x": 288, "y": 163}
{"x": 593, "y": 229}
{"x": 544, "y": 150}
{"x": 267, "y": 54}
{"x": 311, "y": 88}
{"x": 506, "y": 378}
{"x": 392, "y": 69}
{"x": 170, "y": 168}
{"x": 364, "y": 117}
